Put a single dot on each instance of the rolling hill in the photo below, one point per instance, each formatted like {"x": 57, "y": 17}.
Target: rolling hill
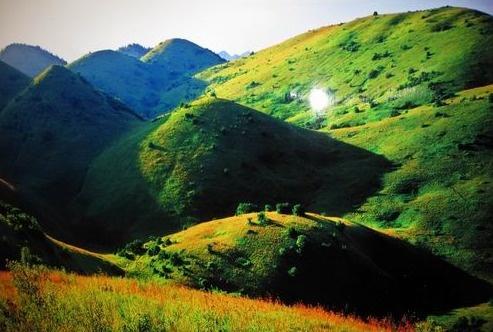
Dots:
{"x": 313, "y": 259}
{"x": 188, "y": 166}
{"x": 28, "y": 59}
{"x": 122, "y": 76}
{"x": 155, "y": 85}
{"x": 23, "y": 240}
{"x": 50, "y": 134}
{"x": 376, "y": 64}
{"x": 180, "y": 56}
{"x": 12, "y": 82}
{"x": 402, "y": 89}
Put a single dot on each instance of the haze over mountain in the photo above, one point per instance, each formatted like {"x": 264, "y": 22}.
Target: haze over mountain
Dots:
{"x": 145, "y": 85}
{"x": 28, "y": 59}
{"x": 228, "y": 57}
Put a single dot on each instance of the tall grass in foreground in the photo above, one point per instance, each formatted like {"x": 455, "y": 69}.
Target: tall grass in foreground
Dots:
{"x": 38, "y": 299}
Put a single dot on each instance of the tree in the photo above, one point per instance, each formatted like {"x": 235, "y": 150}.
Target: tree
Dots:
{"x": 292, "y": 272}
{"x": 375, "y": 13}
{"x": 262, "y": 218}
{"x": 301, "y": 242}
{"x": 282, "y": 208}
{"x": 298, "y": 210}
{"x": 245, "y": 208}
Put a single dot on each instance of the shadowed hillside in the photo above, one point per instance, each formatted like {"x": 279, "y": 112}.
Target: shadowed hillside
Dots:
{"x": 203, "y": 159}
{"x": 12, "y": 82}
{"x": 51, "y": 132}
{"x": 30, "y": 60}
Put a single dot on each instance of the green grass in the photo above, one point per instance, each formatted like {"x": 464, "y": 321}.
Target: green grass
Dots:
{"x": 312, "y": 259}
{"x": 440, "y": 195}
{"x": 204, "y": 158}
{"x": 324, "y": 58}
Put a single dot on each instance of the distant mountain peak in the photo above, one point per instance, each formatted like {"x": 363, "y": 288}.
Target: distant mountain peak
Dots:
{"x": 29, "y": 59}
{"x": 230, "y": 57}
{"x": 134, "y": 49}
{"x": 182, "y": 55}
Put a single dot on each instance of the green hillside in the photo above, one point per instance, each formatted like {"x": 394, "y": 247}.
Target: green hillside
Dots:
{"x": 376, "y": 64}
{"x": 313, "y": 259}
{"x": 181, "y": 56}
{"x": 204, "y": 158}
{"x": 51, "y": 132}
{"x": 122, "y": 76}
{"x": 28, "y": 59}
{"x": 12, "y": 82}
{"x": 155, "y": 85}
{"x": 24, "y": 240}
{"x": 394, "y": 78}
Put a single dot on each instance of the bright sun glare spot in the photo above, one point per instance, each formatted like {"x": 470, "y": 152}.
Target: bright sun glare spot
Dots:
{"x": 319, "y": 99}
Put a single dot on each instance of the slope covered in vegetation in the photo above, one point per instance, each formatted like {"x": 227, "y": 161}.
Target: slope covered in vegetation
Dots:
{"x": 51, "y": 132}
{"x": 393, "y": 79}
{"x": 204, "y": 158}
{"x": 158, "y": 83}
{"x": 100, "y": 303}
{"x": 28, "y": 59}
{"x": 12, "y": 82}
{"x": 376, "y": 64}
{"x": 308, "y": 258}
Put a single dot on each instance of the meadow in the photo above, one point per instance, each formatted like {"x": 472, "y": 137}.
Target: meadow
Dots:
{"x": 38, "y": 299}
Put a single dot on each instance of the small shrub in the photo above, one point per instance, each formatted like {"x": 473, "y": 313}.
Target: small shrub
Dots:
{"x": 282, "y": 208}
{"x": 292, "y": 272}
{"x": 301, "y": 242}
{"x": 442, "y": 26}
{"x": 262, "y": 218}
{"x": 268, "y": 208}
{"x": 243, "y": 262}
{"x": 244, "y": 208}
{"x": 298, "y": 210}
{"x": 375, "y": 72}
{"x": 490, "y": 98}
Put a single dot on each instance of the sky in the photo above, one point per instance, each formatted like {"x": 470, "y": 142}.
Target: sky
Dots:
{"x": 72, "y": 28}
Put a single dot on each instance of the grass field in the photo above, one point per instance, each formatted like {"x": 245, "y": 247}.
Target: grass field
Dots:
{"x": 41, "y": 300}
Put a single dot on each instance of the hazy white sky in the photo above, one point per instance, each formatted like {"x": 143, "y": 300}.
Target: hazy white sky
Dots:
{"x": 71, "y": 28}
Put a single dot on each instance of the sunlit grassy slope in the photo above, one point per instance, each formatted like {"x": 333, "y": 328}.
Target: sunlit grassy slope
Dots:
{"x": 440, "y": 196}
{"x": 12, "y": 82}
{"x": 377, "y": 64}
{"x": 205, "y": 158}
{"x": 312, "y": 259}
{"x": 100, "y": 303}
{"x": 391, "y": 75}
{"x": 50, "y": 133}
